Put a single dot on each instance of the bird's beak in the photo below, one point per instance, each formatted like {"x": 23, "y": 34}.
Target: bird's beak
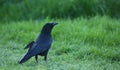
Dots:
{"x": 55, "y": 23}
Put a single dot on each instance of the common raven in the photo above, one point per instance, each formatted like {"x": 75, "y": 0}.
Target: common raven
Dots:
{"x": 41, "y": 45}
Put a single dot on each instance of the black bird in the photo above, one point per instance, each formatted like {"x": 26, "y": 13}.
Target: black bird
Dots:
{"x": 41, "y": 45}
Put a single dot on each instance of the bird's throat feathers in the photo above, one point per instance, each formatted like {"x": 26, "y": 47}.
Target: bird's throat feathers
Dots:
{"x": 48, "y": 32}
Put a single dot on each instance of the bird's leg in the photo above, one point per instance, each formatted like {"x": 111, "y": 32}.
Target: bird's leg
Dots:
{"x": 45, "y": 58}
{"x": 36, "y": 57}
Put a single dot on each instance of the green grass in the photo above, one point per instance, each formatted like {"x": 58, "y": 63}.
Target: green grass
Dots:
{"x": 79, "y": 44}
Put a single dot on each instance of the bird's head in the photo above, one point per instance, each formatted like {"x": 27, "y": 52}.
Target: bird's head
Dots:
{"x": 47, "y": 28}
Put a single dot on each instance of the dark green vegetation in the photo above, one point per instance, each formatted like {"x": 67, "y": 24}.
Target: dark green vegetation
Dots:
{"x": 38, "y": 9}
{"x": 79, "y": 44}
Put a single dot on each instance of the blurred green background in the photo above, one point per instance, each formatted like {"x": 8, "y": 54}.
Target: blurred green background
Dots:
{"x": 86, "y": 38}
{"x": 39, "y": 9}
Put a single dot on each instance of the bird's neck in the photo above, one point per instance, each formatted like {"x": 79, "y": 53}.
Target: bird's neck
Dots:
{"x": 46, "y": 34}
{"x": 43, "y": 36}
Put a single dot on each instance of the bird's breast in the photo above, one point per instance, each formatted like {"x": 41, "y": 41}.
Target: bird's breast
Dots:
{"x": 44, "y": 39}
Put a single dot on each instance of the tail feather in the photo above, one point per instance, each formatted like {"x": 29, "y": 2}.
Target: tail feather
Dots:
{"x": 24, "y": 58}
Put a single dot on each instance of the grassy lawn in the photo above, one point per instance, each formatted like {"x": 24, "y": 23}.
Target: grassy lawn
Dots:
{"x": 79, "y": 44}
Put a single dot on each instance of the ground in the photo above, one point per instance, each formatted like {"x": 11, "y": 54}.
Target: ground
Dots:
{"x": 78, "y": 44}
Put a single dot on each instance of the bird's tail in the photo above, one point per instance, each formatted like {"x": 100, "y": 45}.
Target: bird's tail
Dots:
{"x": 24, "y": 58}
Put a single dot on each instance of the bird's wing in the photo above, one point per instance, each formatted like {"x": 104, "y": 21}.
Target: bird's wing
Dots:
{"x": 40, "y": 47}
{"x": 29, "y": 45}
